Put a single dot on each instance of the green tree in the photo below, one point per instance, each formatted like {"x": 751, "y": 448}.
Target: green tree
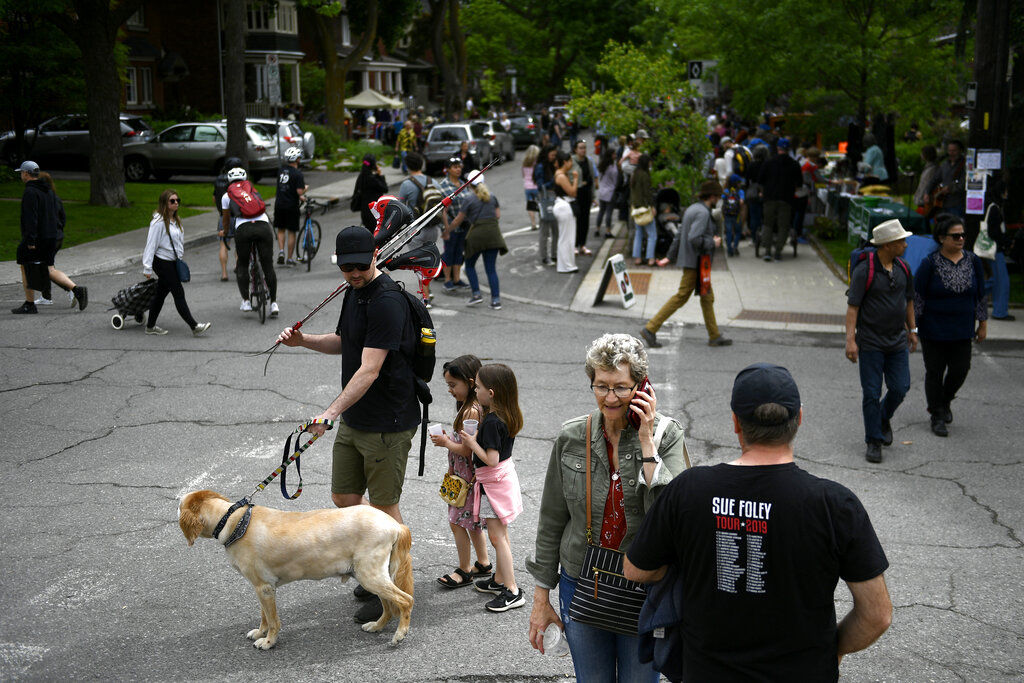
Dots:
{"x": 547, "y": 41}
{"x": 650, "y": 92}
{"x": 845, "y": 56}
{"x": 40, "y": 74}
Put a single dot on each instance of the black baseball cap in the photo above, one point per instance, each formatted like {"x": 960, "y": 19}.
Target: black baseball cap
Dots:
{"x": 762, "y": 383}
{"x": 453, "y": 161}
{"x": 354, "y": 245}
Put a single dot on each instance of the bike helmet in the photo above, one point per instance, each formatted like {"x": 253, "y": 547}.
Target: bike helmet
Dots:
{"x": 292, "y": 154}
{"x": 236, "y": 174}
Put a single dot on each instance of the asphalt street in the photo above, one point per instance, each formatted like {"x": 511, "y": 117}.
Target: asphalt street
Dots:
{"x": 105, "y": 430}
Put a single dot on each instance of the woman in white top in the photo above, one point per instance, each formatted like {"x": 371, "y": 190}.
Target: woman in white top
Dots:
{"x": 164, "y": 246}
{"x": 565, "y": 192}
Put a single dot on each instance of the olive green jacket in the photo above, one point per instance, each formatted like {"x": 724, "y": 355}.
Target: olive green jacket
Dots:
{"x": 561, "y": 531}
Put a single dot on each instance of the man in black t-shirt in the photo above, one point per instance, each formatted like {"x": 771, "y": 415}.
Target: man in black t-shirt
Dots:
{"x": 760, "y": 545}
{"x": 290, "y": 188}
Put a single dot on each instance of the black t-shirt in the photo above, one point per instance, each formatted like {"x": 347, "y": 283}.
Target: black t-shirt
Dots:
{"x": 882, "y": 314}
{"x": 492, "y": 433}
{"x": 377, "y": 316}
{"x": 289, "y": 181}
{"x": 761, "y": 549}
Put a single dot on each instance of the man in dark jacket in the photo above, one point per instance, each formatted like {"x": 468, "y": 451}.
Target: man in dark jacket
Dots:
{"x": 779, "y": 178}
{"x": 42, "y": 230}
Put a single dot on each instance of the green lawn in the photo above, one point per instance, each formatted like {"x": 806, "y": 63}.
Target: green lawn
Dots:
{"x": 86, "y": 223}
{"x": 840, "y": 250}
{"x": 192, "y": 194}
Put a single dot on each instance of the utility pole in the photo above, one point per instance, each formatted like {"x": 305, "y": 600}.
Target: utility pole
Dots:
{"x": 990, "y": 116}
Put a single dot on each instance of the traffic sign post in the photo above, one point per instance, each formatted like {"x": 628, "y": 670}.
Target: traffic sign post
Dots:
{"x": 273, "y": 79}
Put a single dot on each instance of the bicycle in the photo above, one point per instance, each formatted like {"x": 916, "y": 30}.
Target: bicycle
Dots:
{"x": 258, "y": 290}
{"x": 308, "y": 240}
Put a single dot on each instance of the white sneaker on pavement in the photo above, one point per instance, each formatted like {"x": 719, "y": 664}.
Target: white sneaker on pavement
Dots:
{"x": 274, "y": 310}
{"x": 42, "y": 301}
{"x": 200, "y": 328}
{"x": 246, "y": 306}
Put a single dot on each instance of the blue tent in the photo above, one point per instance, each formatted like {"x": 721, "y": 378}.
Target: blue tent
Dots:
{"x": 918, "y": 248}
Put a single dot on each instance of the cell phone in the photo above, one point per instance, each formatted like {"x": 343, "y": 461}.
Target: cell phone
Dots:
{"x": 646, "y": 387}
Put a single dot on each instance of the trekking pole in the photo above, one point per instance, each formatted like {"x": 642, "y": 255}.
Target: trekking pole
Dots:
{"x": 384, "y": 254}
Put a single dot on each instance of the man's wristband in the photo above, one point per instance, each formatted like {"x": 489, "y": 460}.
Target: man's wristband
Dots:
{"x": 913, "y": 330}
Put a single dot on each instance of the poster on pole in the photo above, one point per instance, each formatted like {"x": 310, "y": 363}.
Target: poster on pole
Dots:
{"x": 273, "y": 79}
{"x": 615, "y": 267}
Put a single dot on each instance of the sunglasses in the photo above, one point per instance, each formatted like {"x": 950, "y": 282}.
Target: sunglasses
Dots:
{"x": 173, "y": 201}
{"x": 955, "y": 235}
{"x": 349, "y": 267}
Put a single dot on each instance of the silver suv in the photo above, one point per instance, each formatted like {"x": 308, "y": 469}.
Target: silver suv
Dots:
{"x": 198, "y": 148}
{"x": 289, "y": 134}
{"x": 63, "y": 141}
{"x": 444, "y": 141}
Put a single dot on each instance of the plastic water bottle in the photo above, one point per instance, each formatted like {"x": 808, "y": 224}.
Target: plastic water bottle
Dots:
{"x": 555, "y": 643}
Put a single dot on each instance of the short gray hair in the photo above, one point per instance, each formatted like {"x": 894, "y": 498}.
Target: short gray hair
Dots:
{"x": 770, "y": 426}
{"x": 609, "y": 351}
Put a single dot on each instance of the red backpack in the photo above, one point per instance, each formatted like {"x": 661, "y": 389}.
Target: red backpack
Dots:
{"x": 246, "y": 199}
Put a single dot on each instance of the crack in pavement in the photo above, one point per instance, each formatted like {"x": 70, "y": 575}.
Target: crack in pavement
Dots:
{"x": 86, "y": 376}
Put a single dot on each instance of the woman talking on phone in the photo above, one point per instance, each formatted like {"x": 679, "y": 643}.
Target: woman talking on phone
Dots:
{"x": 634, "y": 451}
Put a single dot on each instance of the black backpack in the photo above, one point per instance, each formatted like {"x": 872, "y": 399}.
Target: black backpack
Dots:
{"x": 741, "y": 161}
{"x": 423, "y": 361}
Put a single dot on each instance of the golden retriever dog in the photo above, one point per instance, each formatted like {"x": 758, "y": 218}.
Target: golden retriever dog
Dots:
{"x": 280, "y": 547}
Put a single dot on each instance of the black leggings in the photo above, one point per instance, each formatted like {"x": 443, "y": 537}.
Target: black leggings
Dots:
{"x": 260, "y": 233}
{"x": 946, "y": 364}
{"x": 167, "y": 281}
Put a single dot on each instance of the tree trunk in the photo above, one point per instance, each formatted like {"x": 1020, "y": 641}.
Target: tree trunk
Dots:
{"x": 457, "y": 39}
{"x": 451, "y": 96}
{"x": 335, "y": 69}
{"x": 234, "y": 78}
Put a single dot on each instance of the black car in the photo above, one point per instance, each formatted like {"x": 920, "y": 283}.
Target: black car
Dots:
{"x": 525, "y": 130}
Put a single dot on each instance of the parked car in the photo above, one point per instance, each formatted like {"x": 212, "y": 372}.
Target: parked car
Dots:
{"x": 444, "y": 141}
{"x": 289, "y": 134}
{"x": 63, "y": 141}
{"x": 198, "y": 148}
{"x": 500, "y": 139}
{"x": 525, "y": 130}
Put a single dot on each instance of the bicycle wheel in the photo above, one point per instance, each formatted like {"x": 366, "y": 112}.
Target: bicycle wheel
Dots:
{"x": 257, "y": 287}
{"x": 311, "y": 240}
{"x": 300, "y": 241}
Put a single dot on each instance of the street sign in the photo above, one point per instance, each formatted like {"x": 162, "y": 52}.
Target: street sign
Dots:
{"x": 616, "y": 267}
{"x": 972, "y": 94}
{"x": 695, "y": 70}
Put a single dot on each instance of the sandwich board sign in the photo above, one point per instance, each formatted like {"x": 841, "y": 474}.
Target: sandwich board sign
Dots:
{"x": 615, "y": 267}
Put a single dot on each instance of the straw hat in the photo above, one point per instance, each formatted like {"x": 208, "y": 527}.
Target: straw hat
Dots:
{"x": 889, "y": 231}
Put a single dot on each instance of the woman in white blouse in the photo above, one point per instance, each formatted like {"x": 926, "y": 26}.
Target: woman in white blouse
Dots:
{"x": 164, "y": 246}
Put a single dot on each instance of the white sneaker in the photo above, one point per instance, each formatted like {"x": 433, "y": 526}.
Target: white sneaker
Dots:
{"x": 71, "y": 298}
{"x": 200, "y": 328}
{"x": 274, "y": 310}
{"x": 246, "y": 306}
{"x": 155, "y": 330}
{"x": 42, "y": 301}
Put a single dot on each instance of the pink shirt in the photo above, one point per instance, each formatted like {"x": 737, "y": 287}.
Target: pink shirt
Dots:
{"x": 501, "y": 486}
{"x": 528, "y": 183}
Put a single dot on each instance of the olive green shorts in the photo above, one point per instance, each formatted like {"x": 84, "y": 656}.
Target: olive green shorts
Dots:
{"x": 371, "y": 463}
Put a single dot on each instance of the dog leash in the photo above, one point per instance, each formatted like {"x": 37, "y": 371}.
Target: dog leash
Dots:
{"x": 287, "y": 459}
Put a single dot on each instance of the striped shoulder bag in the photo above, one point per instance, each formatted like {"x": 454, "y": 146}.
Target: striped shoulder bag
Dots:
{"x": 604, "y": 598}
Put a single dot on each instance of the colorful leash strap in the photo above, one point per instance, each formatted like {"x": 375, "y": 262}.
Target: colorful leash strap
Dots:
{"x": 288, "y": 458}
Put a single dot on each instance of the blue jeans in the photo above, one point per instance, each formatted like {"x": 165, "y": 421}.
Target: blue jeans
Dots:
{"x": 1000, "y": 287}
{"x": 733, "y": 232}
{"x": 651, "y": 231}
{"x": 600, "y": 656}
{"x": 490, "y": 258}
{"x": 604, "y": 212}
{"x": 895, "y": 368}
{"x": 454, "y": 248}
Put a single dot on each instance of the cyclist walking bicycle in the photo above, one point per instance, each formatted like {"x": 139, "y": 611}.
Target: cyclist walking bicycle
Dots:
{"x": 243, "y": 207}
{"x": 291, "y": 186}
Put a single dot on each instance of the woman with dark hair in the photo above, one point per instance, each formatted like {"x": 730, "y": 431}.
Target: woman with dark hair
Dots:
{"x": 949, "y": 297}
{"x": 607, "y": 179}
{"x": 544, "y": 179}
{"x": 641, "y": 194}
{"x": 996, "y": 225}
{"x": 370, "y": 185}
{"x": 165, "y": 245}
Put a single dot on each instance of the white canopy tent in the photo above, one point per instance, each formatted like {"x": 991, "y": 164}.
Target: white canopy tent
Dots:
{"x": 371, "y": 99}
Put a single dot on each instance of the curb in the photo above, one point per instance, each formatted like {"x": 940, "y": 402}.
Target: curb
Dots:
{"x": 827, "y": 259}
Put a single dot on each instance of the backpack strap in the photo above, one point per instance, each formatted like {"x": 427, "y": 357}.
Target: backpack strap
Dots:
{"x": 871, "y": 272}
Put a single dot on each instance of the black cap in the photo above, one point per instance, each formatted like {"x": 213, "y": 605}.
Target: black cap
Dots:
{"x": 453, "y": 161}
{"x": 354, "y": 245}
{"x": 763, "y": 383}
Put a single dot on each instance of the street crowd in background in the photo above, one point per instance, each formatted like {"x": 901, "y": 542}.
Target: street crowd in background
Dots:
{"x": 728, "y": 540}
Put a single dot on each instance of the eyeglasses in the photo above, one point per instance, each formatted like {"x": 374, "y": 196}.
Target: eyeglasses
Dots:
{"x": 173, "y": 201}
{"x": 601, "y": 390}
{"x": 955, "y": 235}
{"x": 349, "y": 267}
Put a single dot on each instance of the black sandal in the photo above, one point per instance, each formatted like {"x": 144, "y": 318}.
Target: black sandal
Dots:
{"x": 448, "y": 582}
{"x": 482, "y": 569}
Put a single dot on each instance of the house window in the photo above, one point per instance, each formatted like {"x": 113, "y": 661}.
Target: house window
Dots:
{"x": 286, "y": 21}
{"x": 137, "y": 20}
{"x": 346, "y": 34}
{"x": 131, "y": 86}
{"x": 258, "y": 18}
{"x": 146, "y": 84}
{"x": 262, "y": 18}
